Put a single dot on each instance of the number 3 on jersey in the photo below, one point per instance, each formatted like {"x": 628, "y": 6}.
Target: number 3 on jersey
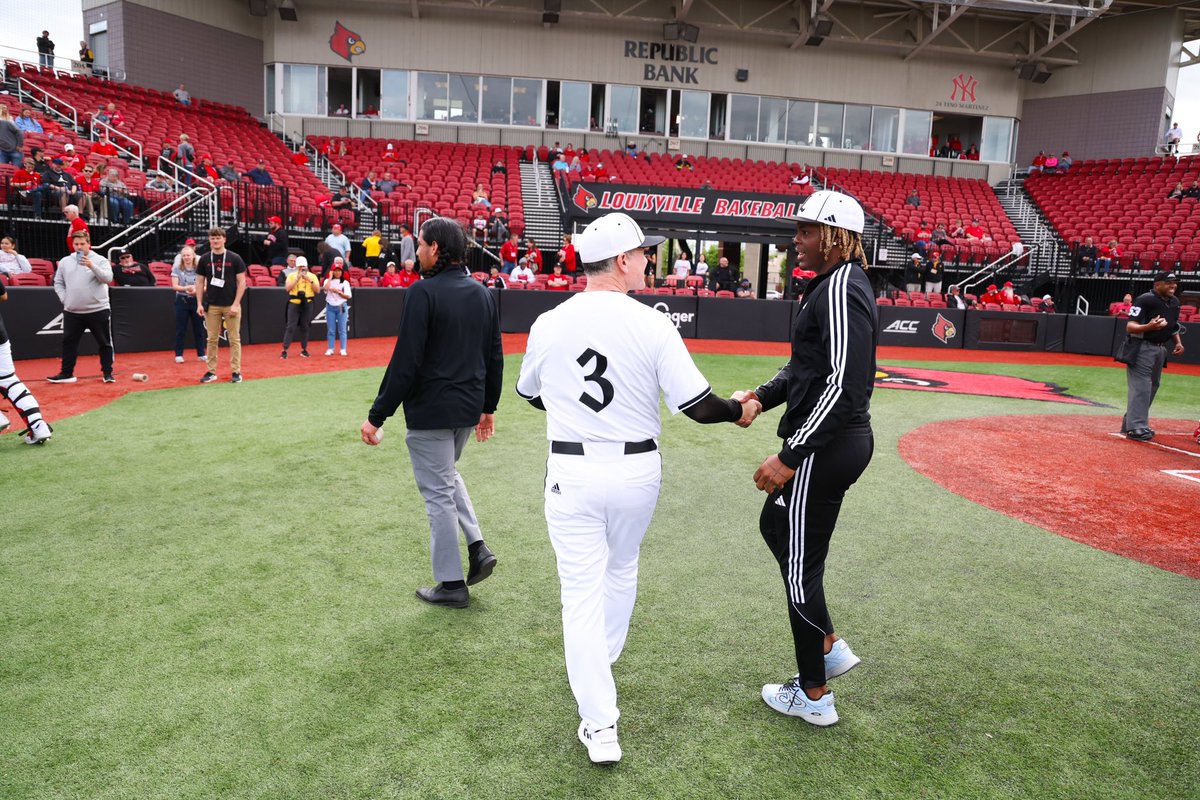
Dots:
{"x": 596, "y": 377}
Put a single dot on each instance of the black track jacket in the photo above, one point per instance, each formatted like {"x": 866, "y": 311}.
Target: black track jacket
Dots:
{"x": 827, "y": 383}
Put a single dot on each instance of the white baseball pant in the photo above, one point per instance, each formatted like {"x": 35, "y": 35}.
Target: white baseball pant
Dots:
{"x": 598, "y": 507}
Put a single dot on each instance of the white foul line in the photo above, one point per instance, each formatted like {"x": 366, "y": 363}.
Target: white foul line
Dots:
{"x": 1186, "y": 474}
{"x": 1163, "y": 446}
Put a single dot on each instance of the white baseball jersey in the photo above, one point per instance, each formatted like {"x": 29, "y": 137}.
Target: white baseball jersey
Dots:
{"x": 598, "y": 361}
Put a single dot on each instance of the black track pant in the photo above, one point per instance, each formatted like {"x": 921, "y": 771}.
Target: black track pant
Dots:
{"x": 74, "y": 325}
{"x": 797, "y": 522}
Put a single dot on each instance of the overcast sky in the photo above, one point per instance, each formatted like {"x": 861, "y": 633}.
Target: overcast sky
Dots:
{"x": 24, "y": 21}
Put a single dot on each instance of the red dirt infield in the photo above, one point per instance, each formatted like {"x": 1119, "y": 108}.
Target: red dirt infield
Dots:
{"x": 1089, "y": 485}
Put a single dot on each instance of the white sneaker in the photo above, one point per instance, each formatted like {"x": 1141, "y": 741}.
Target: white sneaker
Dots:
{"x": 343, "y": 352}
{"x": 601, "y": 745}
{"x": 840, "y": 659}
{"x": 178, "y": 359}
{"x": 328, "y": 352}
{"x": 788, "y": 698}
{"x": 202, "y": 359}
{"x": 40, "y": 434}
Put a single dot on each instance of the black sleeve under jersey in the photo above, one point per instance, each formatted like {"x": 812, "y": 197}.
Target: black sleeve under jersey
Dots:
{"x": 714, "y": 409}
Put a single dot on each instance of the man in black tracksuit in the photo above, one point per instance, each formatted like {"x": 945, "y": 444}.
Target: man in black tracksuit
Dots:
{"x": 827, "y": 441}
{"x": 447, "y": 370}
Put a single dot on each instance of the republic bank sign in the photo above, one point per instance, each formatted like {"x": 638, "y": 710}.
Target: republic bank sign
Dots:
{"x": 668, "y": 62}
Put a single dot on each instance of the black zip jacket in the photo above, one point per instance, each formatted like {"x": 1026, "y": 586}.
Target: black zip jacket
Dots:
{"x": 827, "y": 383}
{"x": 448, "y": 365}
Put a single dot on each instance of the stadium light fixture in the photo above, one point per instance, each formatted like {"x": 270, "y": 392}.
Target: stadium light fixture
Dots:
{"x": 287, "y": 11}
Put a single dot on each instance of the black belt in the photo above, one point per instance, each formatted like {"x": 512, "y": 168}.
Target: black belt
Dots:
{"x": 576, "y": 448}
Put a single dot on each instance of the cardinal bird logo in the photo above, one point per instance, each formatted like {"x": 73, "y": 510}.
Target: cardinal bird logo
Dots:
{"x": 944, "y": 329}
{"x": 345, "y": 42}
{"x": 584, "y": 199}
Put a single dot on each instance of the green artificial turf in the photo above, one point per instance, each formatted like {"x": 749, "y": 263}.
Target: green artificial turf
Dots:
{"x": 207, "y": 592}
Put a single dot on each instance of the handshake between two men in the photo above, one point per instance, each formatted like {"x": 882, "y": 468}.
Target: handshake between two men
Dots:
{"x": 772, "y": 474}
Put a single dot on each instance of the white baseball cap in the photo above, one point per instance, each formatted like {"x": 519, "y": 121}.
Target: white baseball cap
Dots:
{"x": 301, "y": 261}
{"x": 610, "y": 236}
{"x": 831, "y": 208}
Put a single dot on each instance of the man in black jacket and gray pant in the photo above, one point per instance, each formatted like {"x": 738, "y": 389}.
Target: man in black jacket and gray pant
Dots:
{"x": 447, "y": 371}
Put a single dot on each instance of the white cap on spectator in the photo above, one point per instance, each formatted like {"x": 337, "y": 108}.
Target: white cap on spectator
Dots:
{"x": 610, "y": 236}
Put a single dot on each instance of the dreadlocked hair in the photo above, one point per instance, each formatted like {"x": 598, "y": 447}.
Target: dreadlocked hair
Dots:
{"x": 847, "y": 241}
{"x": 451, "y": 240}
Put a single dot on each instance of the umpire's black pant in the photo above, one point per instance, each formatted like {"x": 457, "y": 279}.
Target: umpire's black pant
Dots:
{"x": 797, "y": 522}
{"x": 100, "y": 324}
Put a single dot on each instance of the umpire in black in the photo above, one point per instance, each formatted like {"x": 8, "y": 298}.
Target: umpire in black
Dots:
{"x": 827, "y": 441}
{"x": 1154, "y": 318}
{"x": 447, "y": 371}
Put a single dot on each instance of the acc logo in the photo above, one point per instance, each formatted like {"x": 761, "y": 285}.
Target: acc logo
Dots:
{"x": 584, "y": 199}
{"x": 345, "y": 42}
{"x": 52, "y": 328}
{"x": 944, "y": 329}
{"x": 902, "y": 326}
{"x": 678, "y": 317}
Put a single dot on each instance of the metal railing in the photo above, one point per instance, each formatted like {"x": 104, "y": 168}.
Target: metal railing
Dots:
{"x": 988, "y": 271}
{"x": 135, "y": 150}
{"x": 1082, "y": 306}
{"x": 178, "y": 217}
{"x": 38, "y": 96}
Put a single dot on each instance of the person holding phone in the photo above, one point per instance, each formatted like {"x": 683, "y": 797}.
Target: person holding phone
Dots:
{"x": 302, "y": 287}
{"x": 81, "y": 283}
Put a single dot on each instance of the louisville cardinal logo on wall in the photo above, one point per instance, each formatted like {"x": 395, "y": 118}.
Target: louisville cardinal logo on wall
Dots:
{"x": 584, "y": 199}
{"x": 943, "y": 328}
{"x": 345, "y": 42}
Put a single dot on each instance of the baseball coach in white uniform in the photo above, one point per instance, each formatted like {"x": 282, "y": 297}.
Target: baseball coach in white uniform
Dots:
{"x": 595, "y": 365}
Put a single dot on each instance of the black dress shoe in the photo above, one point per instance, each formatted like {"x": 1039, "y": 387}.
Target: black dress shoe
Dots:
{"x": 482, "y": 565}
{"x": 1140, "y": 435}
{"x": 441, "y": 596}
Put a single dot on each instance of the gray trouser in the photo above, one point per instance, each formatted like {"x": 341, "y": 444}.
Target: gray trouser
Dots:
{"x": 1143, "y": 377}
{"x": 433, "y": 454}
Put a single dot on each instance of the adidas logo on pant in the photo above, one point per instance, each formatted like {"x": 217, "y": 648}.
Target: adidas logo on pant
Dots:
{"x": 554, "y": 489}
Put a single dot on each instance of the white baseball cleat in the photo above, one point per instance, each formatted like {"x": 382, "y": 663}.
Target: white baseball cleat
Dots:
{"x": 840, "y": 659}
{"x": 788, "y": 698}
{"x": 4, "y": 423}
{"x": 39, "y": 434}
{"x": 601, "y": 745}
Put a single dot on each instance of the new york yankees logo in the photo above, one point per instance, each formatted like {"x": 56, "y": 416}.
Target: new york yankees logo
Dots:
{"x": 966, "y": 85}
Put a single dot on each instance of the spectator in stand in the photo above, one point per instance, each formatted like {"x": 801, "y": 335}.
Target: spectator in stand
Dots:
{"x": 972, "y": 153}
{"x": 388, "y": 184}
{"x": 185, "y": 156}
{"x": 1008, "y": 297}
{"x": 479, "y": 197}
{"x": 1065, "y": 162}
{"x": 408, "y": 248}
{"x": 499, "y": 169}
{"x": 28, "y": 123}
{"x": 1174, "y": 137}
{"x": 569, "y": 151}
{"x": 924, "y": 236}
{"x": 1176, "y": 193}
{"x": 228, "y": 172}
{"x": 940, "y": 234}
{"x": 158, "y": 182}
{"x": 45, "y": 48}
{"x": 566, "y": 256}
{"x": 259, "y": 174}
{"x": 479, "y": 226}
{"x": 59, "y": 186}
{"x": 934, "y": 273}
{"x": 338, "y": 241}
{"x": 390, "y": 279}
{"x": 1086, "y": 256}
{"x": 684, "y": 163}
{"x": 1047, "y": 305}
{"x": 325, "y": 257}
{"x": 975, "y": 230}
{"x": 651, "y": 266}
{"x": 991, "y": 296}
{"x": 182, "y": 95}
{"x": 372, "y": 246}
{"x": 342, "y": 147}
{"x": 302, "y": 287}
{"x": 370, "y": 183}
{"x": 113, "y": 116}
{"x": 409, "y": 275}
{"x": 523, "y": 272}
{"x": 701, "y": 269}
{"x": 959, "y": 232}
{"x": 371, "y": 113}
{"x": 390, "y": 153}
{"x": 76, "y": 223}
{"x": 207, "y": 169}
{"x": 1193, "y": 190}
{"x": 744, "y": 289}
{"x": 86, "y": 57}
{"x": 91, "y": 203}
{"x": 631, "y": 149}
{"x": 12, "y": 262}
{"x": 724, "y": 279}
{"x": 337, "y": 307}
{"x": 495, "y": 279}
{"x": 498, "y": 225}
{"x": 1050, "y": 165}
{"x": 1039, "y": 161}
{"x": 120, "y": 206}
{"x": 276, "y": 242}
{"x": 1121, "y": 309}
{"x": 341, "y": 200}
{"x": 557, "y": 281}
{"x": 129, "y": 272}
{"x": 955, "y": 144}
{"x": 341, "y": 111}
{"x": 955, "y": 299}
{"x": 601, "y": 173}
{"x": 104, "y": 147}
{"x": 81, "y": 283}
{"x": 561, "y": 171}
{"x": 12, "y": 138}
{"x": 1108, "y": 257}
{"x": 575, "y": 170}
{"x": 26, "y": 183}
{"x": 912, "y": 273}
{"x": 534, "y": 256}
{"x": 288, "y": 269}
{"x": 913, "y": 199}
{"x": 509, "y": 253}
{"x": 72, "y": 161}
{"x": 683, "y": 265}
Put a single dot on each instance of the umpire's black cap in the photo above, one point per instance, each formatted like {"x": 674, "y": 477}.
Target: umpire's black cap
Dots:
{"x": 1166, "y": 276}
